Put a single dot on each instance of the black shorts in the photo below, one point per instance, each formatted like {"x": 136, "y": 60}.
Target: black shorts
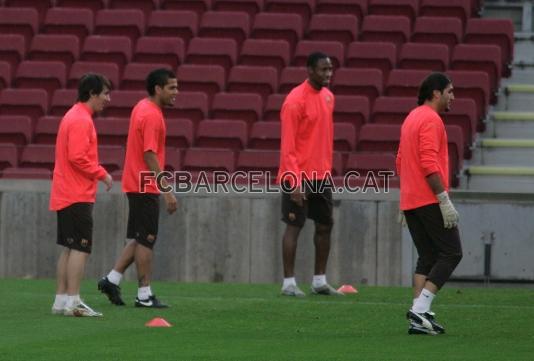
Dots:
{"x": 143, "y": 218}
{"x": 318, "y": 206}
{"x": 75, "y": 227}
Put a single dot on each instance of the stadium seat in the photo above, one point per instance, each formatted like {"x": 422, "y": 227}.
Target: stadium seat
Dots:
{"x": 46, "y": 130}
{"x": 261, "y": 80}
{"x": 221, "y": 52}
{"x": 456, "y": 150}
{"x": 5, "y": 75}
{"x": 247, "y": 107}
{"x": 199, "y": 159}
{"x": 265, "y": 135}
{"x": 16, "y": 129}
{"x": 291, "y": 77}
{"x": 38, "y": 156}
{"x": 485, "y": 58}
{"x": 64, "y": 48}
{"x": 435, "y": 30}
{"x": 382, "y": 28}
{"x": 379, "y": 138}
{"x": 93, "y": 5}
{"x": 180, "y": 24}
{"x": 304, "y": 8}
{"x": 197, "y": 6}
{"x": 63, "y": 100}
{"x": 179, "y": 133}
{"x": 363, "y": 163}
{"x": 405, "y": 82}
{"x": 150, "y": 49}
{"x": 122, "y": 103}
{"x": 351, "y": 109}
{"x": 48, "y": 75}
{"x": 365, "y": 82}
{"x": 12, "y": 49}
{"x": 272, "y": 107}
{"x": 190, "y": 105}
{"x": 209, "y": 79}
{"x": 331, "y": 27}
{"x": 109, "y": 49}
{"x": 259, "y": 160}
{"x": 392, "y": 110}
{"x": 40, "y": 5}
{"x": 26, "y": 173}
{"x": 146, "y": 6}
{"x": 79, "y": 68}
{"x": 463, "y": 114}
{"x": 334, "y": 49}
{"x": 288, "y": 27}
{"x": 408, "y": 8}
{"x": 67, "y": 21}
{"x": 262, "y": 52}
{"x": 434, "y": 57}
{"x": 382, "y": 56}
{"x": 251, "y": 7}
{"x": 357, "y": 8}
{"x": 112, "y": 130}
{"x": 8, "y": 155}
{"x": 498, "y": 32}
{"x": 22, "y": 21}
{"x": 474, "y": 85}
{"x": 460, "y": 9}
{"x": 30, "y": 102}
{"x": 111, "y": 157}
{"x": 344, "y": 137}
{"x": 222, "y": 133}
{"x": 120, "y": 22}
{"x": 228, "y": 25}
{"x": 135, "y": 74}
{"x": 173, "y": 159}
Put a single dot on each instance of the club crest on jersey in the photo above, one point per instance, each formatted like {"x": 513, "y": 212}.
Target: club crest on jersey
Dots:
{"x": 328, "y": 99}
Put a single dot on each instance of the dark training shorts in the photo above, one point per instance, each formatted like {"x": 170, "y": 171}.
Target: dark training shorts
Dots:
{"x": 143, "y": 218}
{"x": 75, "y": 227}
{"x": 318, "y": 206}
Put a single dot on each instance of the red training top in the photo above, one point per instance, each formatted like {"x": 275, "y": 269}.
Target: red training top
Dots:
{"x": 307, "y": 134}
{"x": 76, "y": 169}
{"x": 422, "y": 151}
{"x": 146, "y": 133}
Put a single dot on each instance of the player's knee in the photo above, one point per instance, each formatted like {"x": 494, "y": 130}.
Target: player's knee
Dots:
{"x": 323, "y": 229}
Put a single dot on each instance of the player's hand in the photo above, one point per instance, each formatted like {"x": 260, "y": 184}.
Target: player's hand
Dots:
{"x": 171, "y": 202}
{"x": 448, "y": 212}
{"x": 108, "y": 181}
{"x": 298, "y": 196}
{"x": 401, "y": 218}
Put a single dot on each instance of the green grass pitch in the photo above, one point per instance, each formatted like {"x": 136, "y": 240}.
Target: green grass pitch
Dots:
{"x": 254, "y": 323}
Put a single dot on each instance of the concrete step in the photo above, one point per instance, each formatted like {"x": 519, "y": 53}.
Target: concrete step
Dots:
{"x": 507, "y": 152}
{"x": 516, "y": 97}
{"x": 500, "y": 179}
{"x": 515, "y": 125}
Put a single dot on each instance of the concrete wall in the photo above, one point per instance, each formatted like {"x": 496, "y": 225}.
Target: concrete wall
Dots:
{"x": 237, "y": 238}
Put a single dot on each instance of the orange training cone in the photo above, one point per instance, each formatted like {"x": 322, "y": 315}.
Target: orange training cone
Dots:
{"x": 158, "y": 322}
{"x": 347, "y": 289}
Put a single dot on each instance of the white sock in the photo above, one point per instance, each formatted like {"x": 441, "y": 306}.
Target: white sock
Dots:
{"x": 72, "y": 301}
{"x": 413, "y": 302}
{"x": 289, "y": 281}
{"x": 60, "y": 301}
{"x": 423, "y": 302}
{"x": 114, "y": 277}
{"x": 319, "y": 280}
{"x": 144, "y": 293}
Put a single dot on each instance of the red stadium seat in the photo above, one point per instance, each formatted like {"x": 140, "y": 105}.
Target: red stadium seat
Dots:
{"x": 173, "y": 159}
{"x": 344, "y": 137}
{"x": 63, "y": 100}
{"x": 261, "y": 80}
{"x": 67, "y": 21}
{"x": 5, "y": 75}
{"x": 229, "y": 25}
{"x": 46, "y": 130}
{"x": 40, "y": 5}
{"x": 209, "y": 79}
{"x": 366, "y": 82}
{"x": 93, "y": 5}
{"x": 460, "y": 9}
{"x": 463, "y": 115}
{"x": 381, "y": 56}
{"x": 408, "y": 8}
{"x": 111, "y": 157}
{"x": 64, "y": 48}
{"x": 26, "y": 173}
{"x": 221, "y": 52}
{"x": 190, "y": 105}
{"x": 405, "y": 82}
{"x": 146, "y": 6}
{"x": 498, "y": 32}
{"x": 30, "y": 102}
{"x": 38, "y": 156}
{"x": 261, "y": 52}
{"x": 435, "y": 30}
{"x": 112, "y": 131}
{"x": 179, "y": 133}
{"x": 265, "y": 135}
{"x": 379, "y": 138}
{"x": 109, "y": 49}
{"x": 259, "y": 160}
{"x": 166, "y": 50}
{"x": 352, "y": 7}
{"x": 392, "y": 110}
{"x": 121, "y": 22}
{"x": 351, "y": 109}
{"x": 334, "y": 49}
{"x": 197, "y": 6}
{"x": 330, "y": 27}
{"x": 16, "y": 129}
{"x": 474, "y": 85}
{"x": 12, "y": 49}
{"x": 48, "y": 75}
{"x": 371, "y": 162}
{"x": 288, "y": 27}
{"x": 180, "y": 24}
{"x": 199, "y": 159}
{"x": 123, "y": 102}
{"x": 135, "y": 74}
{"x": 381, "y": 28}
{"x": 304, "y": 8}
{"x": 433, "y": 57}
{"x": 22, "y": 21}
{"x": 456, "y": 151}
{"x": 291, "y": 77}
{"x": 79, "y": 68}
{"x": 8, "y": 155}
{"x": 247, "y": 107}
{"x": 273, "y": 106}
{"x": 251, "y": 7}
{"x": 221, "y": 133}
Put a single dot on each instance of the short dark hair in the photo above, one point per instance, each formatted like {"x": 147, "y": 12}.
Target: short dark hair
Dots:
{"x": 91, "y": 84}
{"x": 313, "y": 58}
{"x": 435, "y": 81}
{"x": 158, "y": 77}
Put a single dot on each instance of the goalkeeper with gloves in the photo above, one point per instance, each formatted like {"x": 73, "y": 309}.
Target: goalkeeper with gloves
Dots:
{"x": 423, "y": 168}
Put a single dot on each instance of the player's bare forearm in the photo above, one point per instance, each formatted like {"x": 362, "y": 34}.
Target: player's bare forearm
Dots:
{"x": 434, "y": 181}
{"x": 152, "y": 163}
